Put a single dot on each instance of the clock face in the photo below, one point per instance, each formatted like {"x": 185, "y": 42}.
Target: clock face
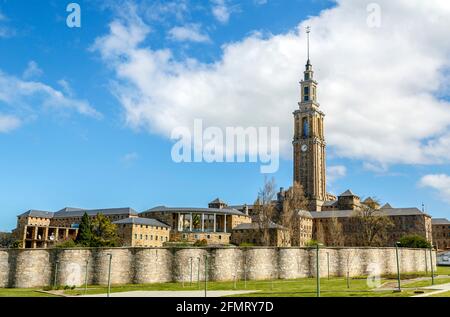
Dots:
{"x": 304, "y": 148}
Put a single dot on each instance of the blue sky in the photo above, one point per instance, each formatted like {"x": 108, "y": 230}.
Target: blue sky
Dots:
{"x": 94, "y": 152}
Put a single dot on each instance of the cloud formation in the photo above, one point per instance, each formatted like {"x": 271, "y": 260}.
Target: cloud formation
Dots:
{"x": 8, "y": 123}
{"x": 32, "y": 70}
{"x": 336, "y": 172}
{"x": 24, "y": 99}
{"x": 381, "y": 88}
{"x": 438, "y": 182}
{"x": 188, "y": 33}
{"x": 221, "y": 10}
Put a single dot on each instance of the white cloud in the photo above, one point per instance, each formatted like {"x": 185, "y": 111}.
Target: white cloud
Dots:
{"x": 8, "y": 123}
{"x": 260, "y": 2}
{"x": 32, "y": 71}
{"x": 24, "y": 98}
{"x": 377, "y": 86}
{"x": 5, "y": 31}
{"x": 221, "y": 10}
{"x": 129, "y": 158}
{"x": 189, "y": 32}
{"x": 336, "y": 172}
{"x": 439, "y": 182}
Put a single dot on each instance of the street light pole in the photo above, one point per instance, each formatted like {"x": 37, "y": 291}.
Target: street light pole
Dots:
{"x": 431, "y": 263}
{"x": 206, "y": 275}
{"x": 328, "y": 264}
{"x": 398, "y": 267}
{"x": 317, "y": 270}
{"x": 56, "y": 274}
{"x": 109, "y": 274}
{"x": 191, "y": 272}
{"x": 86, "y": 277}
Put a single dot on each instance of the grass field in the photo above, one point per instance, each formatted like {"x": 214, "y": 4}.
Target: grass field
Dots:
{"x": 336, "y": 287}
{"x": 306, "y": 287}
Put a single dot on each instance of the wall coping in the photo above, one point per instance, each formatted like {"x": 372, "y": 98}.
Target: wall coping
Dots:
{"x": 210, "y": 248}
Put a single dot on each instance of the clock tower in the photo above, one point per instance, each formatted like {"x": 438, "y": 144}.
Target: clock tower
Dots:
{"x": 309, "y": 141}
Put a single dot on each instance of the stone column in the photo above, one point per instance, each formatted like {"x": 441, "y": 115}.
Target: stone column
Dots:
{"x": 56, "y": 234}
{"x": 203, "y": 222}
{"x": 225, "y": 223}
{"x": 66, "y": 233}
{"x": 215, "y": 222}
{"x": 190, "y": 222}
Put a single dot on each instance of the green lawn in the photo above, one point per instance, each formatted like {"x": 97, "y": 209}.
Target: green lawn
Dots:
{"x": 446, "y": 294}
{"x": 306, "y": 287}
{"x": 335, "y": 287}
{"x": 22, "y": 292}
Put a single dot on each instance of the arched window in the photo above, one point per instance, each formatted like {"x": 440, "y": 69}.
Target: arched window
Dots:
{"x": 305, "y": 125}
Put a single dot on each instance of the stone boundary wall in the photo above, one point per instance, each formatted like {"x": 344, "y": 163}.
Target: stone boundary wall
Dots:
{"x": 24, "y": 268}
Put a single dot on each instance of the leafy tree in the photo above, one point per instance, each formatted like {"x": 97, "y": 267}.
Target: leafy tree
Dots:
{"x": 414, "y": 241}
{"x": 6, "y": 239}
{"x": 104, "y": 232}
{"x": 85, "y": 235}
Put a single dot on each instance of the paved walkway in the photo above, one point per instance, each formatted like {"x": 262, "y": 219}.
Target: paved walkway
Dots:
{"x": 186, "y": 294}
{"x": 440, "y": 288}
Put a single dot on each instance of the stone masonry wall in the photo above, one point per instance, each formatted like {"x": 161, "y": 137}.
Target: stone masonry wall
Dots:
{"x": 40, "y": 267}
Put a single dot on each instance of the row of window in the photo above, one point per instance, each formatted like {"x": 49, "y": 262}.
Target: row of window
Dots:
{"x": 142, "y": 237}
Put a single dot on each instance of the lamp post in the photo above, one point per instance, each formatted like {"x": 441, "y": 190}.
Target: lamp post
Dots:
{"x": 198, "y": 273}
{"x": 191, "y": 272}
{"x": 109, "y": 274}
{"x": 318, "y": 269}
{"x": 398, "y": 267}
{"x": 86, "y": 277}
{"x": 431, "y": 263}
{"x": 56, "y": 274}
{"x": 328, "y": 264}
{"x": 206, "y": 275}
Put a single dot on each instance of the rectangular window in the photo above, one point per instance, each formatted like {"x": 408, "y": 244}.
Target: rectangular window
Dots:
{"x": 135, "y": 236}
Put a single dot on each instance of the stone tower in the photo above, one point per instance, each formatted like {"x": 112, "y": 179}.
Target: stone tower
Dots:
{"x": 309, "y": 142}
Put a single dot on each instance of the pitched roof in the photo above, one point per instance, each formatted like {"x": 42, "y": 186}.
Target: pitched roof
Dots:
{"x": 440, "y": 221}
{"x": 37, "y": 214}
{"x": 142, "y": 221}
{"x": 255, "y": 225}
{"x": 164, "y": 209}
{"x": 386, "y": 206}
{"x": 347, "y": 193}
{"x": 218, "y": 201}
{"x": 387, "y": 212}
{"x": 77, "y": 212}
{"x": 304, "y": 214}
{"x": 369, "y": 200}
{"x": 330, "y": 203}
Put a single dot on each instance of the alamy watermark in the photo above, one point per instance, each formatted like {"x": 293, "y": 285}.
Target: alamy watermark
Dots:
{"x": 74, "y": 18}
{"x": 234, "y": 145}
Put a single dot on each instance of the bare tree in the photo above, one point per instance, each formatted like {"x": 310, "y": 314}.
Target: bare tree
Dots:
{"x": 264, "y": 210}
{"x": 371, "y": 225}
{"x": 335, "y": 233}
{"x": 293, "y": 201}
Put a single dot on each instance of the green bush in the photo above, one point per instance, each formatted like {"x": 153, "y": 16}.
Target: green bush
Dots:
{"x": 414, "y": 241}
{"x": 312, "y": 243}
{"x": 69, "y": 243}
{"x": 246, "y": 244}
{"x": 201, "y": 243}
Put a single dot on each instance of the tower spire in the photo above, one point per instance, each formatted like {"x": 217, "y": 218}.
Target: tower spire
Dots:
{"x": 308, "y": 31}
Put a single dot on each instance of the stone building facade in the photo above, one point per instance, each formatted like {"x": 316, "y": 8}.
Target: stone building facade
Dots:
{"x": 441, "y": 233}
{"x": 252, "y": 233}
{"x": 214, "y": 224}
{"x": 142, "y": 232}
